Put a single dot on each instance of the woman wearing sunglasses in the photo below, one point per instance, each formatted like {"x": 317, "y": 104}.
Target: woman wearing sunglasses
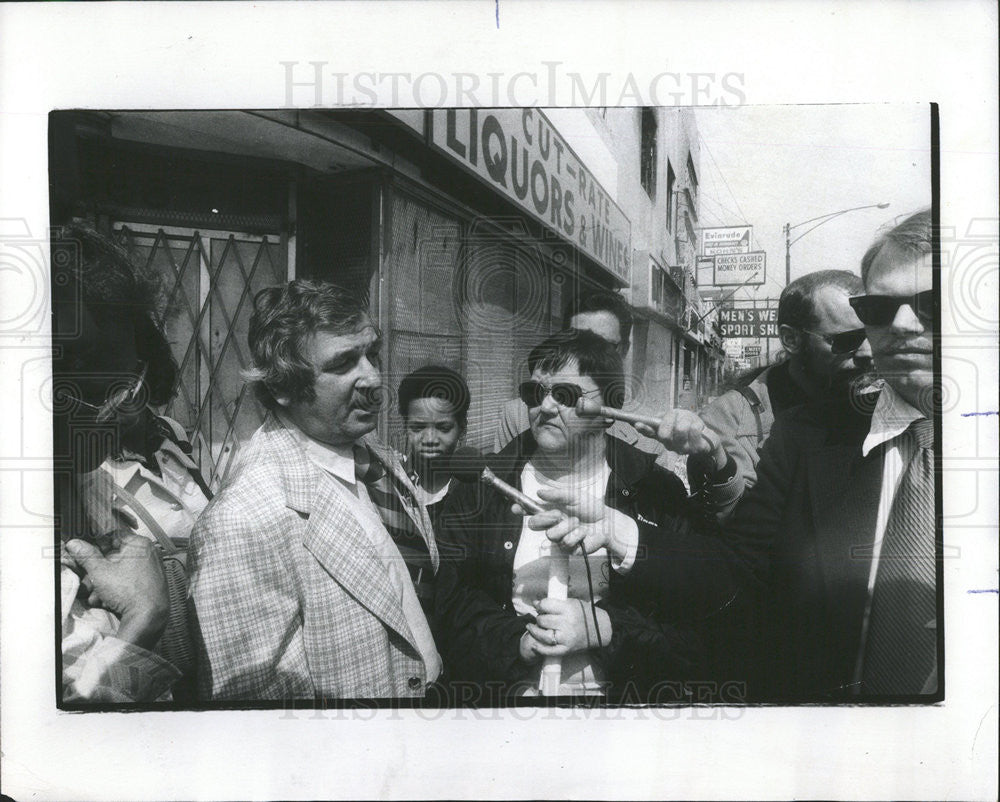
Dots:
{"x": 608, "y": 502}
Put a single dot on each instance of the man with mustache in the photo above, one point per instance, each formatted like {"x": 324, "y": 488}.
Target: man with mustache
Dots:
{"x": 297, "y": 582}
{"x": 826, "y": 349}
{"x": 844, "y": 504}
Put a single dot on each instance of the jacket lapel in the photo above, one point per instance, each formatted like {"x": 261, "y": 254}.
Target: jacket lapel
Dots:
{"x": 628, "y": 465}
{"x": 622, "y": 431}
{"x": 844, "y": 490}
{"x": 334, "y": 536}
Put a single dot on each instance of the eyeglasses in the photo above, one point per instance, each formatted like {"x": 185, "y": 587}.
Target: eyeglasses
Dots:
{"x": 118, "y": 398}
{"x": 843, "y": 342}
{"x": 880, "y": 310}
{"x": 565, "y": 394}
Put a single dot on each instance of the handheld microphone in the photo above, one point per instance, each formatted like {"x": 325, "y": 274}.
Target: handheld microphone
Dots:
{"x": 468, "y": 465}
{"x": 589, "y": 408}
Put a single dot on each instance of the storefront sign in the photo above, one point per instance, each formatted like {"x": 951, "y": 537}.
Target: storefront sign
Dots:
{"x": 519, "y": 153}
{"x": 733, "y": 348}
{"x": 749, "y": 322}
{"x": 722, "y": 241}
{"x": 739, "y": 269}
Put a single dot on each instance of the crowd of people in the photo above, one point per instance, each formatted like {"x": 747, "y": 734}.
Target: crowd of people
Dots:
{"x": 798, "y": 562}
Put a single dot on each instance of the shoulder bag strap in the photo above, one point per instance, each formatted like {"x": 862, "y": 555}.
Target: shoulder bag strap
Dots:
{"x": 147, "y": 518}
{"x": 755, "y": 406}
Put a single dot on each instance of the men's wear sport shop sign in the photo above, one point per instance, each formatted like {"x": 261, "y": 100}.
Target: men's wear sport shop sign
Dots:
{"x": 748, "y": 322}
{"x": 519, "y": 153}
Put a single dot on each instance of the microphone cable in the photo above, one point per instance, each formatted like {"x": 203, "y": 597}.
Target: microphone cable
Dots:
{"x": 593, "y": 605}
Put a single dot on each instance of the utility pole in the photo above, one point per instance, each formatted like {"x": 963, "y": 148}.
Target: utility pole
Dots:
{"x": 767, "y": 344}
{"x": 788, "y": 254}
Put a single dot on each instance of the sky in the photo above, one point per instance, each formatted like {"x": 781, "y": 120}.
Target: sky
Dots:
{"x": 768, "y": 165}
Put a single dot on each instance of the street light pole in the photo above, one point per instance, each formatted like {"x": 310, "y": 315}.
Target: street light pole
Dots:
{"x": 788, "y": 255}
{"x": 823, "y": 218}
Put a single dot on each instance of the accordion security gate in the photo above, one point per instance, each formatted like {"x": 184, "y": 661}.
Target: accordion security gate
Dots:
{"x": 209, "y": 279}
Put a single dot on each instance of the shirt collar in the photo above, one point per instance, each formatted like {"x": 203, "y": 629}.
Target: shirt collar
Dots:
{"x": 335, "y": 460}
{"x": 125, "y": 466}
{"x": 122, "y": 470}
{"x": 891, "y": 418}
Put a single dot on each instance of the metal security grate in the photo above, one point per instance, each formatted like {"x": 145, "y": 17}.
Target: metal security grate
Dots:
{"x": 210, "y": 278}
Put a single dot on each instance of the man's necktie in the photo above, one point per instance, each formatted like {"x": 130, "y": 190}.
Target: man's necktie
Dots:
{"x": 409, "y": 542}
{"x": 366, "y": 467}
{"x": 901, "y": 651}
{"x": 413, "y": 576}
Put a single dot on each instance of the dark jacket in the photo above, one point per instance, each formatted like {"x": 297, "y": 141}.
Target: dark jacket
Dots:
{"x": 652, "y": 608}
{"x": 742, "y": 432}
{"x": 814, "y": 507}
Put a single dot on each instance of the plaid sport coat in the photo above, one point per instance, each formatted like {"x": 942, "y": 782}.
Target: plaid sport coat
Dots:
{"x": 288, "y": 594}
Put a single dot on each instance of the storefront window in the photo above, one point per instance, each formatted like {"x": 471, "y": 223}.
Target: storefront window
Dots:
{"x": 467, "y": 294}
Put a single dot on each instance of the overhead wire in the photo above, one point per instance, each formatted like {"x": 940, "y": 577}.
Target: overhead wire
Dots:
{"x": 769, "y": 279}
{"x": 741, "y": 214}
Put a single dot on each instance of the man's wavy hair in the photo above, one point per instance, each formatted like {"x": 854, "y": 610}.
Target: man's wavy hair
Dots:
{"x": 595, "y": 356}
{"x": 91, "y": 267}
{"x": 283, "y": 320}
{"x": 911, "y": 239}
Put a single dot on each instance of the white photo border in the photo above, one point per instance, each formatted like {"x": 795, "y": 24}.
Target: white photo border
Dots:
{"x": 229, "y": 55}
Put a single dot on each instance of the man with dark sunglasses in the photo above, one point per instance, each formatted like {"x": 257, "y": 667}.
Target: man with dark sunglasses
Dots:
{"x": 845, "y": 500}
{"x": 827, "y": 351}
